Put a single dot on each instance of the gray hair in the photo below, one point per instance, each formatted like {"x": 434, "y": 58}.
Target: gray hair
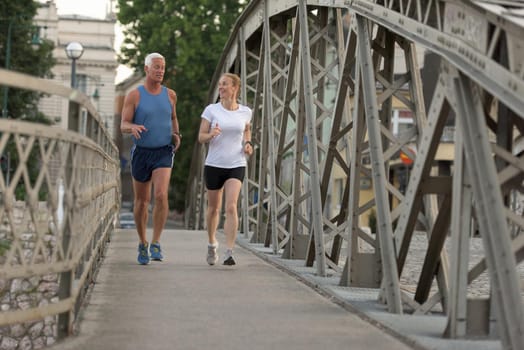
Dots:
{"x": 151, "y": 56}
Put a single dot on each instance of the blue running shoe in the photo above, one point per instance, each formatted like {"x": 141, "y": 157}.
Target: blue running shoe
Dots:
{"x": 143, "y": 255}
{"x": 156, "y": 252}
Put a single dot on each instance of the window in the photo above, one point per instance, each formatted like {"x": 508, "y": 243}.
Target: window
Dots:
{"x": 402, "y": 121}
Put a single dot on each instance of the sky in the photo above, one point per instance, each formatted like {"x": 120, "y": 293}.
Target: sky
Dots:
{"x": 91, "y": 8}
{"x": 95, "y": 9}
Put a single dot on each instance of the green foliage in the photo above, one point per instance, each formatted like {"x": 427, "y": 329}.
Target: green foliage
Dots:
{"x": 5, "y": 245}
{"x": 23, "y": 104}
{"x": 29, "y": 53}
{"x": 372, "y": 221}
{"x": 192, "y": 40}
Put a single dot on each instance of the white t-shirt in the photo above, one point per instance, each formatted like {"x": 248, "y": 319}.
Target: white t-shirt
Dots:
{"x": 226, "y": 150}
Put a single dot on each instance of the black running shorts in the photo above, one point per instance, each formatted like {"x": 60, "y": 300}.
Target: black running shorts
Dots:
{"x": 216, "y": 177}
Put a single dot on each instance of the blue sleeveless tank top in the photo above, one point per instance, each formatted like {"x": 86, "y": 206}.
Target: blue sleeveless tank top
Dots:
{"x": 154, "y": 112}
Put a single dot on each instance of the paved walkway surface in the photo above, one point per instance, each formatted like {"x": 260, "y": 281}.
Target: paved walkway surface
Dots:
{"x": 264, "y": 302}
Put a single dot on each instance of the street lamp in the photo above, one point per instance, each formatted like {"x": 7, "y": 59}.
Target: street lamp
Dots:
{"x": 74, "y": 51}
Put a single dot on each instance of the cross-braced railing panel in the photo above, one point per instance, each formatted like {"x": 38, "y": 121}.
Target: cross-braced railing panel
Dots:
{"x": 343, "y": 184}
{"x": 59, "y": 195}
{"x": 325, "y": 39}
{"x": 276, "y": 53}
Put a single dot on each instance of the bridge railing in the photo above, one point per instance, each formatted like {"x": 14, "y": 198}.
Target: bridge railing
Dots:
{"x": 59, "y": 199}
{"x": 325, "y": 183}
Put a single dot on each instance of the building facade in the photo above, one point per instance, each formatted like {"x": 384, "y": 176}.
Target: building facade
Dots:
{"x": 95, "y": 69}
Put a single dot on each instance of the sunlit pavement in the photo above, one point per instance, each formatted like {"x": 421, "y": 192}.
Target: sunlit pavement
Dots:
{"x": 183, "y": 303}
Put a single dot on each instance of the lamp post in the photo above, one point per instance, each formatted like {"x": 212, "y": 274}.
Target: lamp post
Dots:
{"x": 74, "y": 51}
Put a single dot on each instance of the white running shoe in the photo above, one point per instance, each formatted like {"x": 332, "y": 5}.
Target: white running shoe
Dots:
{"x": 212, "y": 256}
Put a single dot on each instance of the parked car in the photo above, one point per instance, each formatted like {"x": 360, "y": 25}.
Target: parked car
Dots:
{"x": 127, "y": 220}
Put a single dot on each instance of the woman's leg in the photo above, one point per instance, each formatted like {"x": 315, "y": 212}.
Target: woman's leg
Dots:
{"x": 232, "y": 191}
{"x": 214, "y": 201}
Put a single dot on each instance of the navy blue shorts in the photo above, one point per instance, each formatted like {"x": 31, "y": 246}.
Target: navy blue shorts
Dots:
{"x": 216, "y": 177}
{"x": 145, "y": 160}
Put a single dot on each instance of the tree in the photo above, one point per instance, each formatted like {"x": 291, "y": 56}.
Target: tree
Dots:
{"x": 21, "y": 44}
{"x": 29, "y": 54}
{"x": 191, "y": 35}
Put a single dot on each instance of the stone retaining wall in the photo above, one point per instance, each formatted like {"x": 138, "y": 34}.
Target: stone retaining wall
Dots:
{"x": 25, "y": 293}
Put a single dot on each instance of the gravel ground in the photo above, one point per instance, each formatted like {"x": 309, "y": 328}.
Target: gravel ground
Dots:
{"x": 415, "y": 259}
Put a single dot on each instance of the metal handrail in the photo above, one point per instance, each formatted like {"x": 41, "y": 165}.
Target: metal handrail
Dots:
{"x": 58, "y": 205}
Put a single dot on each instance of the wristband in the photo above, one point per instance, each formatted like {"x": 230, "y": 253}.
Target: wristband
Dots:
{"x": 248, "y": 143}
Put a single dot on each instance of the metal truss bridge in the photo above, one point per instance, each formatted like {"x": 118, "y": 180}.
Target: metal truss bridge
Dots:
{"x": 378, "y": 122}
{"x": 377, "y": 125}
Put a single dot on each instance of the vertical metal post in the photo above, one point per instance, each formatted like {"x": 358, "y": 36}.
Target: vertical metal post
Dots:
{"x": 490, "y": 211}
{"x": 351, "y": 230}
{"x": 64, "y": 292}
{"x": 65, "y": 287}
{"x": 243, "y": 98}
{"x": 317, "y": 216}
{"x": 460, "y": 231}
{"x": 385, "y": 234}
{"x": 268, "y": 111}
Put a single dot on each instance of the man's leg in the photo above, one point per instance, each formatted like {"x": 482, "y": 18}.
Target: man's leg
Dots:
{"x": 160, "y": 179}
{"x": 142, "y": 193}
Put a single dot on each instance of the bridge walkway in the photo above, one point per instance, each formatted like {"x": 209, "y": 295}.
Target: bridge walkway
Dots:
{"x": 182, "y": 303}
